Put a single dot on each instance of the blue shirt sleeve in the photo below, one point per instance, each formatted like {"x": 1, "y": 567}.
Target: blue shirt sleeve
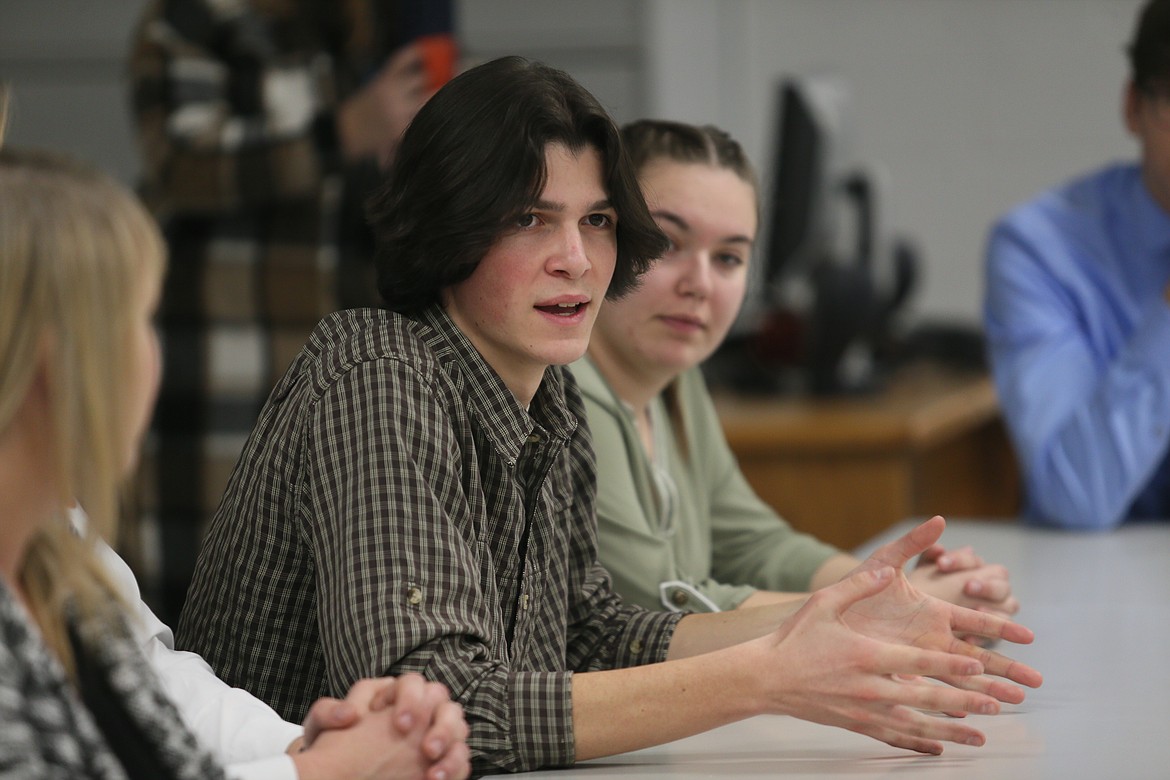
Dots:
{"x": 1081, "y": 357}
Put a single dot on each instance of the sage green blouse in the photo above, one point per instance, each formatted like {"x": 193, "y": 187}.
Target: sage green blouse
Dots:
{"x": 685, "y": 532}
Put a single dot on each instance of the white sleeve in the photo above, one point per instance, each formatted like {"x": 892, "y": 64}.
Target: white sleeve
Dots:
{"x": 274, "y": 768}
{"x": 244, "y": 733}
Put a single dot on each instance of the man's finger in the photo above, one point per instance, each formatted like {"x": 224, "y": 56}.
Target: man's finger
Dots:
{"x": 996, "y": 663}
{"x": 408, "y": 59}
{"x": 858, "y": 586}
{"x": 970, "y": 621}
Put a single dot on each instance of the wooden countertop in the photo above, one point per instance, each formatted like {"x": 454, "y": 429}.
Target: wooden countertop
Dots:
{"x": 919, "y": 406}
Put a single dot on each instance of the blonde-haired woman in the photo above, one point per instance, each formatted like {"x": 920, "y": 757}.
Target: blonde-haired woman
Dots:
{"x": 81, "y": 264}
{"x": 80, "y": 267}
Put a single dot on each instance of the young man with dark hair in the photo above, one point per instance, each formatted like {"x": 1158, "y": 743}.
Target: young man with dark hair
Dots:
{"x": 419, "y": 492}
{"x": 1077, "y": 315}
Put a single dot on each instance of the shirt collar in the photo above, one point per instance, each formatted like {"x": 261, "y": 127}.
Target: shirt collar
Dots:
{"x": 592, "y": 383}
{"x": 506, "y": 421}
{"x": 1151, "y": 223}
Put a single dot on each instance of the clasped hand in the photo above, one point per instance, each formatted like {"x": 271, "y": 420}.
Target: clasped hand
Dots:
{"x": 399, "y": 728}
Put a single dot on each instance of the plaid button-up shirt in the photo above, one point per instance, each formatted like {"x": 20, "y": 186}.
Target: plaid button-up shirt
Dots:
{"x": 396, "y": 509}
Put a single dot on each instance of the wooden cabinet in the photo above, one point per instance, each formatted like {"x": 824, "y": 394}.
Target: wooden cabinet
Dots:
{"x": 845, "y": 469}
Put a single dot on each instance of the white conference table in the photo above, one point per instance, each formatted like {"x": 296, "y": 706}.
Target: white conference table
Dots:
{"x": 1100, "y": 607}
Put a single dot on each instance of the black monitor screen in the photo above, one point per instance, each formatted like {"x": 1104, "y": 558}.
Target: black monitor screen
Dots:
{"x": 797, "y": 184}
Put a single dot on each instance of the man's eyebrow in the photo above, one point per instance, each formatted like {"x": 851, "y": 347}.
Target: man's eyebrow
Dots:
{"x": 550, "y": 205}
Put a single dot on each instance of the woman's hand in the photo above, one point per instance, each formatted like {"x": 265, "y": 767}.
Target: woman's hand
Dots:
{"x": 395, "y": 728}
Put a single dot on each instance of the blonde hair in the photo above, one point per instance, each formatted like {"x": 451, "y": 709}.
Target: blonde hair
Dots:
{"x": 76, "y": 248}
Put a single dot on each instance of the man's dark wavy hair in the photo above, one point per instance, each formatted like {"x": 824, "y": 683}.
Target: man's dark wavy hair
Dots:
{"x": 473, "y": 161}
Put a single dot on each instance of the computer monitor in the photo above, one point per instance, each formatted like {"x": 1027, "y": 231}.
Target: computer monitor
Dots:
{"x": 828, "y": 282}
{"x": 810, "y": 156}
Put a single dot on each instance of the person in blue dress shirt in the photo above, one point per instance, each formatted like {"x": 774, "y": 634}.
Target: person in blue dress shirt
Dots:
{"x": 1077, "y": 317}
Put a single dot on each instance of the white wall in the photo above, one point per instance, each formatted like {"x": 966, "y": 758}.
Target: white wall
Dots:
{"x": 971, "y": 105}
{"x": 600, "y": 42}
{"x": 66, "y": 63}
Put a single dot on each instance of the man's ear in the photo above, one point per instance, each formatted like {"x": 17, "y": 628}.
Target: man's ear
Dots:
{"x": 1131, "y": 108}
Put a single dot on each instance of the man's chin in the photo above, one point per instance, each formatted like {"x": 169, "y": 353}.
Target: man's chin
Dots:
{"x": 564, "y": 354}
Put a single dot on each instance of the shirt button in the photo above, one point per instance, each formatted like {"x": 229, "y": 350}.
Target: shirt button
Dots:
{"x": 414, "y": 596}
{"x": 636, "y": 646}
{"x": 534, "y": 438}
{"x": 679, "y": 598}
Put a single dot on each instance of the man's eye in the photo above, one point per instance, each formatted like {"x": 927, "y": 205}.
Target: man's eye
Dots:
{"x": 526, "y": 220}
{"x": 600, "y": 220}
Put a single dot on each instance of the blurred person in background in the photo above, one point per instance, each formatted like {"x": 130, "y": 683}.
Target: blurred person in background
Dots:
{"x": 1077, "y": 316}
{"x": 262, "y": 126}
